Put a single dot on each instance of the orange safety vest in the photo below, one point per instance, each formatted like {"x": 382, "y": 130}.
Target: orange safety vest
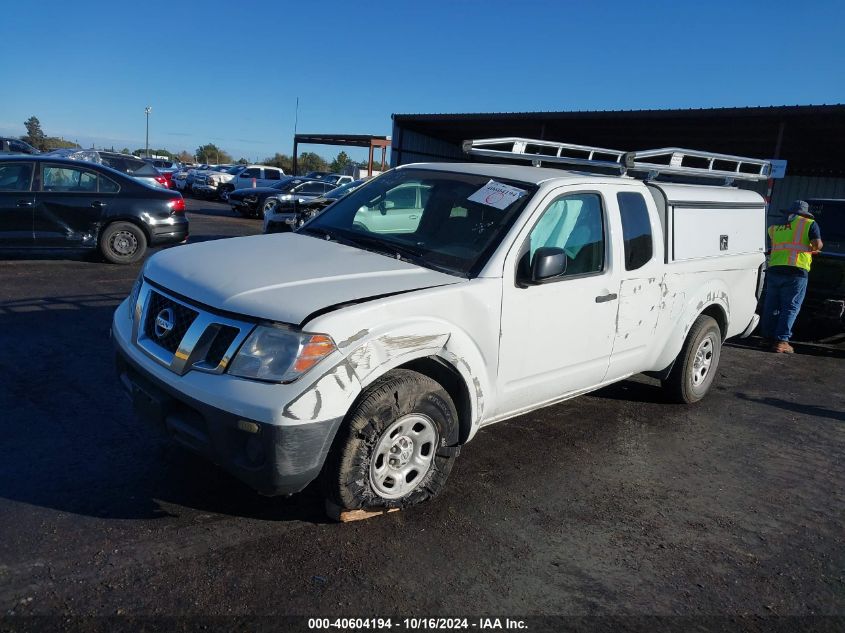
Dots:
{"x": 791, "y": 243}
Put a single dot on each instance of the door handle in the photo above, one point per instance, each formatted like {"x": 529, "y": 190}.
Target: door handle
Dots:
{"x": 413, "y": 217}
{"x": 98, "y": 205}
{"x": 605, "y": 298}
{"x": 25, "y": 203}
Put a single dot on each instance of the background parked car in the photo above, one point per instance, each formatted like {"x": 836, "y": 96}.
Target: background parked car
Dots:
{"x": 337, "y": 179}
{"x": 16, "y": 146}
{"x": 249, "y": 201}
{"x": 125, "y": 163}
{"x": 244, "y": 176}
{"x": 300, "y": 193}
{"x": 209, "y": 183}
{"x": 166, "y": 168}
{"x": 52, "y": 202}
{"x": 823, "y": 311}
{"x": 288, "y": 218}
{"x": 183, "y": 180}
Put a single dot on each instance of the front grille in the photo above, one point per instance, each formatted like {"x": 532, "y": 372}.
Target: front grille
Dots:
{"x": 182, "y": 319}
{"x": 184, "y": 337}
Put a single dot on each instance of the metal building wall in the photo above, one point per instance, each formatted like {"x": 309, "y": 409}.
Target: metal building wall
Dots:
{"x": 413, "y": 147}
{"x": 803, "y": 187}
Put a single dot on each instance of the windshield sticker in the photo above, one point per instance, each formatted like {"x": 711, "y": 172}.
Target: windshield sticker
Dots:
{"x": 495, "y": 194}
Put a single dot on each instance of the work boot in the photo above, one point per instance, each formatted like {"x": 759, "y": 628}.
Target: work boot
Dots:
{"x": 783, "y": 347}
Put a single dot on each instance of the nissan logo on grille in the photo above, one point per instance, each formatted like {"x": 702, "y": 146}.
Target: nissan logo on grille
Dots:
{"x": 164, "y": 323}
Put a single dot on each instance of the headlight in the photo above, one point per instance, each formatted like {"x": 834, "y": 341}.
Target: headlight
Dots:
{"x": 279, "y": 355}
{"x": 133, "y": 295}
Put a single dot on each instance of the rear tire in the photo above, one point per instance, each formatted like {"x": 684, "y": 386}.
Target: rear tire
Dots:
{"x": 123, "y": 243}
{"x": 385, "y": 454}
{"x": 696, "y": 366}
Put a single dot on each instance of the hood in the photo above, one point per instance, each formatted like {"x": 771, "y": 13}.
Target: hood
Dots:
{"x": 283, "y": 277}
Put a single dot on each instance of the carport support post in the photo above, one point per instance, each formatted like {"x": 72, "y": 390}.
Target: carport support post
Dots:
{"x": 293, "y": 167}
{"x": 370, "y": 164}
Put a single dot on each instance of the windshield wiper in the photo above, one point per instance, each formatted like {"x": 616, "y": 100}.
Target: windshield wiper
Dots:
{"x": 316, "y": 231}
{"x": 389, "y": 248}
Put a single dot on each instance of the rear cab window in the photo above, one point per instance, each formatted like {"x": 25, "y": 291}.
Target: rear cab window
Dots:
{"x": 636, "y": 229}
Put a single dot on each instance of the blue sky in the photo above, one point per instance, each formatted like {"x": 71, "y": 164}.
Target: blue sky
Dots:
{"x": 230, "y": 72}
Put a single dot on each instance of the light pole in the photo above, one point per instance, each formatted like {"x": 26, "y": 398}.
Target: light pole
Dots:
{"x": 147, "y": 111}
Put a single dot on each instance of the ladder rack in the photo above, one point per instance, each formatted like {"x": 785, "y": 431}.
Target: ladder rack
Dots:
{"x": 671, "y": 161}
{"x": 690, "y": 162}
{"x": 538, "y": 152}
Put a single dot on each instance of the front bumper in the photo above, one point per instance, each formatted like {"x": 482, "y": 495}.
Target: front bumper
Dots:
{"x": 241, "y": 203}
{"x": 206, "y": 189}
{"x": 246, "y": 436}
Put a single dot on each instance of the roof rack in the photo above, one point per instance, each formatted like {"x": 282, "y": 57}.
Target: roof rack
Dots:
{"x": 670, "y": 161}
{"x": 538, "y": 152}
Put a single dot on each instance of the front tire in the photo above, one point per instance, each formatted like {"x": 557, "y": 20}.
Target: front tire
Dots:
{"x": 123, "y": 243}
{"x": 386, "y": 454}
{"x": 696, "y": 366}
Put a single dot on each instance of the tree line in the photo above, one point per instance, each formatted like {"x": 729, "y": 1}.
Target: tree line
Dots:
{"x": 208, "y": 153}
{"x": 36, "y": 137}
{"x": 307, "y": 161}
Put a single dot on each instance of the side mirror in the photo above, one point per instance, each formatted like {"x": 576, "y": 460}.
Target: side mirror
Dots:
{"x": 548, "y": 262}
{"x": 385, "y": 206}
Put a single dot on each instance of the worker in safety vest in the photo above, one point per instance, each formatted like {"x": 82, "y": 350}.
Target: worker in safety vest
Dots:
{"x": 793, "y": 245}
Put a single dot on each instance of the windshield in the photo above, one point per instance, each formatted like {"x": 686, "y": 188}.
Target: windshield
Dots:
{"x": 287, "y": 183}
{"x": 438, "y": 219}
{"x": 341, "y": 191}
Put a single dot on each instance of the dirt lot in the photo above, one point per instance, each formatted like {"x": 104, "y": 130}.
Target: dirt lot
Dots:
{"x": 611, "y": 504}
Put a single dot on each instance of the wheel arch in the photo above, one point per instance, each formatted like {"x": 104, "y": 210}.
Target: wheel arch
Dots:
{"x": 131, "y": 220}
{"x": 711, "y": 300}
{"x": 450, "y": 379}
{"x": 718, "y": 313}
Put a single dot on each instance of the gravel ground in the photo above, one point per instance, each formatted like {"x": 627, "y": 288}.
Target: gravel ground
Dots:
{"x": 615, "y": 503}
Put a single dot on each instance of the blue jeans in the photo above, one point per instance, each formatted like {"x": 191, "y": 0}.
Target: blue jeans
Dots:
{"x": 784, "y": 295}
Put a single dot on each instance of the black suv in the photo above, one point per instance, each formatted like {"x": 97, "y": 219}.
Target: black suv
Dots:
{"x": 15, "y": 146}
{"x": 51, "y": 202}
{"x": 824, "y": 306}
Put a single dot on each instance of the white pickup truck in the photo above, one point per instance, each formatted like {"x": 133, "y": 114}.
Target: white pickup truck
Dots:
{"x": 220, "y": 183}
{"x": 368, "y": 356}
